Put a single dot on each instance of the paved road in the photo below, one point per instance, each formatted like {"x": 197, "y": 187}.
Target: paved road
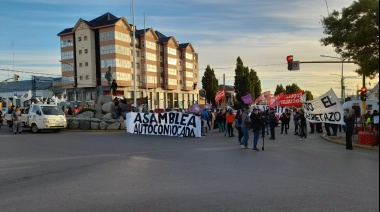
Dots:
{"x": 97, "y": 171}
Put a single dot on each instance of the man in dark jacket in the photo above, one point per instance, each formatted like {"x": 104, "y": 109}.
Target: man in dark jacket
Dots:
{"x": 256, "y": 127}
{"x": 272, "y": 124}
{"x": 114, "y": 87}
{"x": 284, "y": 121}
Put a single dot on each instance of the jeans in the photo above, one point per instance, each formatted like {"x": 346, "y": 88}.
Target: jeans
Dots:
{"x": 221, "y": 127}
{"x": 303, "y": 133}
{"x": 240, "y": 133}
{"x": 256, "y": 136}
{"x": 244, "y": 140}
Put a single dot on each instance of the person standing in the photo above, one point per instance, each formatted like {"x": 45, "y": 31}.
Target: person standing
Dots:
{"x": 272, "y": 124}
{"x": 16, "y": 117}
{"x": 350, "y": 128}
{"x": 230, "y": 117}
{"x": 205, "y": 118}
{"x": 284, "y": 120}
{"x": 288, "y": 112}
{"x": 238, "y": 125}
{"x": 114, "y": 87}
{"x": 246, "y": 123}
{"x": 256, "y": 127}
{"x": 303, "y": 126}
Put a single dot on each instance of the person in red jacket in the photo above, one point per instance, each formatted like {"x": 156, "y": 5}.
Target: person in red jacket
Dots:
{"x": 230, "y": 118}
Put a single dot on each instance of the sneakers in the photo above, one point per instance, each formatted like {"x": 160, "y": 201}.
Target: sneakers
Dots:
{"x": 300, "y": 139}
{"x": 247, "y": 147}
{"x": 305, "y": 139}
{"x": 242, "y": 146}
{"x": 255, "y": 149}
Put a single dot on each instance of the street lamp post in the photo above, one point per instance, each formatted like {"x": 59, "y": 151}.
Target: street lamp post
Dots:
{"x": 342, "y": 78}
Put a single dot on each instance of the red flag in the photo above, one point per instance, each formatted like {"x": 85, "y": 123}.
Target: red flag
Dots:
{"x": 275, "y": 101}
{"x": 219, "y": 96}
{"x": 263, "y": 97}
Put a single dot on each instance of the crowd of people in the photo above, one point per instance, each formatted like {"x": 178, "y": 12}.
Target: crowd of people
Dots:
{"x": 264, "y": 123}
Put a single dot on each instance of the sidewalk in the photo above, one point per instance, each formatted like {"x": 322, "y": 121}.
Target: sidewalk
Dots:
{"x": 341, "y": 139}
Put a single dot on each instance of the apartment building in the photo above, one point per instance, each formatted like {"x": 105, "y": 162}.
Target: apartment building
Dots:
{"x": 166, "y": 70}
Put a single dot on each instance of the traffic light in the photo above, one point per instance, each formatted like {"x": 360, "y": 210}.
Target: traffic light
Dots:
{"x": 15, "y": 78}
{"x": 363, "y": 94}
{"x": 289, "y": 58}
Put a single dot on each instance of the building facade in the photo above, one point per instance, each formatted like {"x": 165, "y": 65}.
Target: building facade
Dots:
{"x": 166, "y": 70}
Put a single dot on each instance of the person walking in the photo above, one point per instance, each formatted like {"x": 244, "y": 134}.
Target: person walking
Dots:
{"x": 220, "y": 121}
{"x": 256, "y": 128}
{"x": 350, "y": 128}
{"x": 272, "y": 124}
{"x": 238, "y": 125}
{"x": 205, "y": 117}
{"x": 230, "y": 117}
{"x": 246, "y": 123}
{"x": 303, "y": 126}
{"x": 296, "y": 119}
{"x": 16, "y": 117}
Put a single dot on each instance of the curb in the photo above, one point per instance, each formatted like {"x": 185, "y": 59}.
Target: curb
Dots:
{"x": 338, "y": 141}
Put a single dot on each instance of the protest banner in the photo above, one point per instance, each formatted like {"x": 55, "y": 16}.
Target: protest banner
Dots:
{"x": 167, "y": 124}
{"x": 292, "y": 99}
{"x": 275, "y": 101}
{"x": 324, "y": 109}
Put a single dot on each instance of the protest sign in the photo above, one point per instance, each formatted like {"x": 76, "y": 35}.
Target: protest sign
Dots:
{"x": 168, "y": 124}
{"x": 324, "y": 109}
{"x": 292, "y": 99}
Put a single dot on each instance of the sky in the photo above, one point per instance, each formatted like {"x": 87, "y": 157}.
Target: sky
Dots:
{"x": 261, "y": 32}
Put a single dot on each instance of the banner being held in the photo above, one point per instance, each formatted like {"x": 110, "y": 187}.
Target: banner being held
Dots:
{"x": 263, "y": 97}
{"x": 168, "y": 124}
{"x": 324, "y": 109}
{"x": 292, "y": 99}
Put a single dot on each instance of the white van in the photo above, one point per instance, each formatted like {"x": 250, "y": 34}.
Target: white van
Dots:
{"x": 371, "y": 105}
{"x": 46, "y": 117}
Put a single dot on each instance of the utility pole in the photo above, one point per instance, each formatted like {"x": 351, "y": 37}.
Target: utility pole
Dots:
{"x": 134, "y": 55}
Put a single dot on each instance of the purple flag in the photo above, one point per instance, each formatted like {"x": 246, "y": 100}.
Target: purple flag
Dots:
{"x": 207, "y": 106}
{"x": 195, "y": 108}
{"x": 247, "y": 99}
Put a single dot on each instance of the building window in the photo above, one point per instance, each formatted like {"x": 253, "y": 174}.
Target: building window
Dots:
{"x": 86, "y": 51}
{"x": 79, "y": 38}
{"x": 86, "y": 64}
{"x": 85, "y": 37}
{"x": 80, "y": 64}
{"x": 81, "y": 78}
{"x": 87, "y": 77}
{"x": 80, "y": 51}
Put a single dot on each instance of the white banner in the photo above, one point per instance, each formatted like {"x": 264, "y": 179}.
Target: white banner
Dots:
{"x": 324, "y": 109}
{"x": 168, "y": 124}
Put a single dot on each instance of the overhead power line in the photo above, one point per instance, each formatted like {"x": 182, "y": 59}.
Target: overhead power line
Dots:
{"x": 29, "y": 72}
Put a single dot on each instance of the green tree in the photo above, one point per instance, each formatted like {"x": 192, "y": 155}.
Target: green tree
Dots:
{"x": 279, "y": 89}
{"x": 246, "y": 81}
{"x": 210, "y": 85}
{"x": 309, "y": 96}
{"x": 354, "y": 33}
{"x": 292, "y": 88}
{"x": 255, "y": 84}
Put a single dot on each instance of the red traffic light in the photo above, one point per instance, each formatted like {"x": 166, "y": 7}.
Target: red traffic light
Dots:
{"x": 289, "y": 58}
{"x": 363, "y": 90}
